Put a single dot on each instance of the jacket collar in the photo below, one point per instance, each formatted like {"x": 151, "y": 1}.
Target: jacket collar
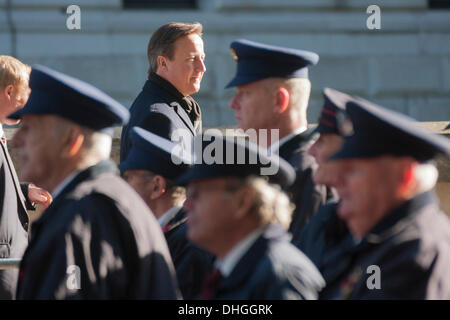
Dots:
{"x": 244, "y": 268}
{"x": 399, "y": 218}
{"x": 298, "y": 141}
{"x": 170, "y": 100}
{"x": 87, "y": 174}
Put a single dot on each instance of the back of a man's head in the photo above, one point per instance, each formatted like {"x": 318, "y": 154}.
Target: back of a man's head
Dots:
{"x": 13, "y": 72}
{"x": 162, "y": 41}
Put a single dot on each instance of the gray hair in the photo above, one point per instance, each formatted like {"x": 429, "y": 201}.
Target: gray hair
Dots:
{"x": 271, "y": 205}
{"x": 96, "y": 145}
{"x": 426, "y": 175}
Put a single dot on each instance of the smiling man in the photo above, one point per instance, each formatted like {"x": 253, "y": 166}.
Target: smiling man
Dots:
{"x": 176, "y": 57}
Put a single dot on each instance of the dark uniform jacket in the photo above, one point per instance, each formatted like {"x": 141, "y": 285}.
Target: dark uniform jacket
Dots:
{"x": 13, "y": 222}
{"x": 158, "y": 111}
{"x": 192, "y": 264}
{"x": 306, "y": 195}
{"x": 98, "y": 236}
{"x": 411, "y": 248}
{"x": 325, "y": 238}
{"x": 272, "y": 268}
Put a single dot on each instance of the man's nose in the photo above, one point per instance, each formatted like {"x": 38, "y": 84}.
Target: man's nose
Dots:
{"x": 233, "y": 103}
{"x": 201, "y": 67}
{"x": 188, "y": 204}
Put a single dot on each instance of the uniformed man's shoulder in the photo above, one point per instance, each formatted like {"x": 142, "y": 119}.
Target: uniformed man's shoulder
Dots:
{"x": 289, "y": 267}
{"x": 108, "y": 196}
{"x": 431, "y": 231}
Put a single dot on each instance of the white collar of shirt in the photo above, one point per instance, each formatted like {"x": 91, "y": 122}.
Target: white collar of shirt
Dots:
{"x": 2, "y": 133}
{"x": 169, "y": 215}
{"x": 277, "y": 144}
{"x": 227, "y": 264}
{"x": 64, "y": 183}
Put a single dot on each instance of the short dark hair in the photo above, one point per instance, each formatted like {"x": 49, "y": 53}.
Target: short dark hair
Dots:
{"x": 162, "y": 41}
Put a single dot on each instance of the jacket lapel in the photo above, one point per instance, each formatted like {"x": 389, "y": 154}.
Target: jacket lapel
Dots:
{"x": 183, "y": 116}
{"x": 14, "y": 176}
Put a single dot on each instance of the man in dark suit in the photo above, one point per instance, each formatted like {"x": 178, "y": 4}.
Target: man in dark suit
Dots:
{"x": 15, "y": 198}
{"x": 275, "y": 99}
{"x": 151, "y": 169}
{"x": 98, "y": 239}
{"x": 237, "y": 215}
{"x": 401, "y": 239}
{"x": 175, "y": 53}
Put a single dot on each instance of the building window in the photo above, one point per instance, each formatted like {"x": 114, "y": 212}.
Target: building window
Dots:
{"x": 439, "y": 4}
{"x": 160, "y": 4}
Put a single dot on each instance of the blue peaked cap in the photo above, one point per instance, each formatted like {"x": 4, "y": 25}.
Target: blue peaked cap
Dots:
{"x": 235, "y": 158}
{"x": 378, "y": 131}
{"x": 257, "y": 61}
{"x": 155, "y": 154}
{"x": 55, "y": 93}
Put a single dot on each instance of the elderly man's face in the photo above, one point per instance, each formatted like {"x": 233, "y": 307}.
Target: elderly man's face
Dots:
{"x": 327, "y": 145}
{"x": 211, "y": 208}
{"x": 367, "y": 189}
{"x": 186, "y": 68}
{"x": 39, "y": 149}
{"x": 252, "y": 105}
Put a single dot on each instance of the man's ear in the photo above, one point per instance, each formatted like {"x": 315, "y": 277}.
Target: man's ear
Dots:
{"x": 159, "y": 187}
{"x": 245, "y": 198}
{"x": 73, "y": 140}
{"x": 409, "y": 182}
{"x": 8, "y": 91}
{"x": 282, "y": 99}
{"x": 162, "y": 63}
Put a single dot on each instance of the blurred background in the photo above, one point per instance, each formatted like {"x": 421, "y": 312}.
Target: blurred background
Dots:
{"x": 404, "y": 66}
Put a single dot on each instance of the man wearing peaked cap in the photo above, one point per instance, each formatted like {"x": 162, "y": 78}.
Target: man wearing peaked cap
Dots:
{"x": 98, "y": 239}
{"x": 387, "y": 200}
{"x": 236, "y": 214}
{"x": 151, "y": 168}
{"x": 325, "y": 236}
{"x": 273, "y": 91}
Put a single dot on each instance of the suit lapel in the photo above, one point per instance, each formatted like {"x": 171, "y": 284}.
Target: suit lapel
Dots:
{"x": 183, "y": 116}
{"x": 14, "y": 176}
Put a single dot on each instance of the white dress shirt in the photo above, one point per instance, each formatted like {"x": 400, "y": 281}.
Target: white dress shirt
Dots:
{"x": 169, "y": 215}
